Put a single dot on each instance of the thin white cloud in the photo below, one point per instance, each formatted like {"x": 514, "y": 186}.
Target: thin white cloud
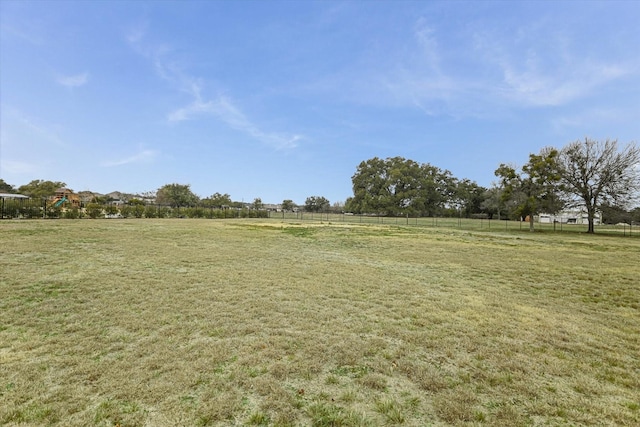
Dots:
{"x": 224, "y": 110}
{"x": 540, "y": 85}
{"x": 44, "y": 133}
{"x": 143, "y": 156}
{"x": 481, "y": 72}
{"x": 540, "y": 67}
{"x": 18, "y": 167}
{"x": 221, "y": 107}
{"x": 588, "y": 117}
{"x": 73, "y": 81}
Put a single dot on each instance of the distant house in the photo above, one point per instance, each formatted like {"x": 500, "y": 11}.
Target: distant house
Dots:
{"x": 87, "y": 196}
{"x": 117, "y": 198}
{"x": 576, "y": 216}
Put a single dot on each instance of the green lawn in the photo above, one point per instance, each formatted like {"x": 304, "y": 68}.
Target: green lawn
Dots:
{"x": 264, "y": 322}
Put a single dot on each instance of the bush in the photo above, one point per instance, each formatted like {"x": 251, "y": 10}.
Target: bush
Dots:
{"x": 53, "y": 212}
{"x": 31, "y": 212}
{"x": 150, "y": 211}
{"x": 111, "y": 210}
{"x": 126, "y": 211}
{"x": 72, "y": 213}
{"x": 138, "y": 211}
{"x": 163, "y": 212}
{"x": 94, "y": 210}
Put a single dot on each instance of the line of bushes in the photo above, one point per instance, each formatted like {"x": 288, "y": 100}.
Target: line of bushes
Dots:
{"x": 21, "y": 209}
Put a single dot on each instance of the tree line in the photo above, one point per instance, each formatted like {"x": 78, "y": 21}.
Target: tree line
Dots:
{"x": 164, "y": 202}
{"x": 597, "y": 176}
{"x": 590, "y": 175}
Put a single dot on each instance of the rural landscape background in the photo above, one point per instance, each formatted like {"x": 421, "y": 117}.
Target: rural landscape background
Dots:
{"x": 319, "y": 213}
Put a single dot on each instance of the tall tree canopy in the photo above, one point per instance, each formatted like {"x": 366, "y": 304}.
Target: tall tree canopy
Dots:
{"x": 535, "y": 188}
{"x": 397, "y": 186}
{"x": 218, "y": 200}
{"x": 288, "y": 205}
{"x": 39, "y": 188}
{"x": 316, "y": 204}
{"x": 5, "y": 187}
{"x": 595, "y": 173}
{"x": 176, "y": 195}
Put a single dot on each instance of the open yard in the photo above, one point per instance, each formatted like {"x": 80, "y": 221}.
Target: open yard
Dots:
{"x": 270, "y": 322}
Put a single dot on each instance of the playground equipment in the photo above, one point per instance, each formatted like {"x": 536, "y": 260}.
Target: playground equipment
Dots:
{"x": 65, "y": 196}
{"x": 60, "y": 202}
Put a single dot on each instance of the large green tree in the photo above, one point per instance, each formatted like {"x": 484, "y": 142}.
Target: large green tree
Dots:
{"x": 218, "y": 200}
{"x": 469, "y": 197}
{"x": 316, "y": 204}
{"x": 596, "y": 173}
{"x": 535, "y": 188}
{"x": 5, "y": 187}
{"x": 398, "y": 186}
{"x": 288, "y": 205}
{"x": 176, "y": 195}
{"x": 257, "y": 204}
{"x": 39, "y": 188}
{"x": 493, "y": 202}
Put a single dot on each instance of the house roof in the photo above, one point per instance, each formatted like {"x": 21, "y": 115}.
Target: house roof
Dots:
{"x": 13, "y": 196}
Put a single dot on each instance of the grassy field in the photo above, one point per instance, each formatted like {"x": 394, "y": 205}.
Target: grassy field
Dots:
{"x": 265, "y": 322}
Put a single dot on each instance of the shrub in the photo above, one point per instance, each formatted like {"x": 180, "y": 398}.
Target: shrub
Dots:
{"x": 150, "y": 211}
{"x": 163, "y": 212}
{"x": 94, "y": 210}
{"x": 72, "y": 213}
{"x": 138, "y": 211}
{"x": 53, "y": 212}
{"x": 126, "y": 211}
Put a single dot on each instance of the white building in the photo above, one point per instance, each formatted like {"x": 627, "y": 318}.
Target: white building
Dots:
{"x": 577, "y": 216}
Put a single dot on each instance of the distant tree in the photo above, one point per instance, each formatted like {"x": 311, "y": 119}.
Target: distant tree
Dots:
{"x": 6, "y": 188}
{"x": 257, "y": 203}
{"x": 39, "y": 188}
{"x": 316, "y": 204}
{"x": 493, "y": 203}
{"x": 288, "y": 205}
{"x": 218, "y": 200}
{"x": 101, "y": 200}
{"x": 615, "y": 215}
{"x": 596, "y": 173}
{"x": 176, "y": 195}
{"x": 136, "y": 202}
{"x": 535, "y": 188}
{"x": 635, "y": 215}
{"x": 469, "y": 197}
{"x": 337, "y": 207}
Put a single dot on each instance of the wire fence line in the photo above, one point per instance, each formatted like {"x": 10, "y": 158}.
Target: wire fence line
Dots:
{"x": 35, "y": 208}
{"x": 478, "y": 224}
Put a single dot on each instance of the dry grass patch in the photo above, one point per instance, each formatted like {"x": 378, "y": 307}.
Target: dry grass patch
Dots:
{"x": 197, "y": 322}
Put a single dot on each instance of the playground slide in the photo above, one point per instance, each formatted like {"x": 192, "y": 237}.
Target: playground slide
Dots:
{"x": 59, "y": 202}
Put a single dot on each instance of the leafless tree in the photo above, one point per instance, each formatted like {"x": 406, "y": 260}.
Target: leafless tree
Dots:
{"x": 595, "y": 172}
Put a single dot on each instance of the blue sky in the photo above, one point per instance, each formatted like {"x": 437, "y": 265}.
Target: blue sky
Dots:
{"x": 283, "y": 99}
